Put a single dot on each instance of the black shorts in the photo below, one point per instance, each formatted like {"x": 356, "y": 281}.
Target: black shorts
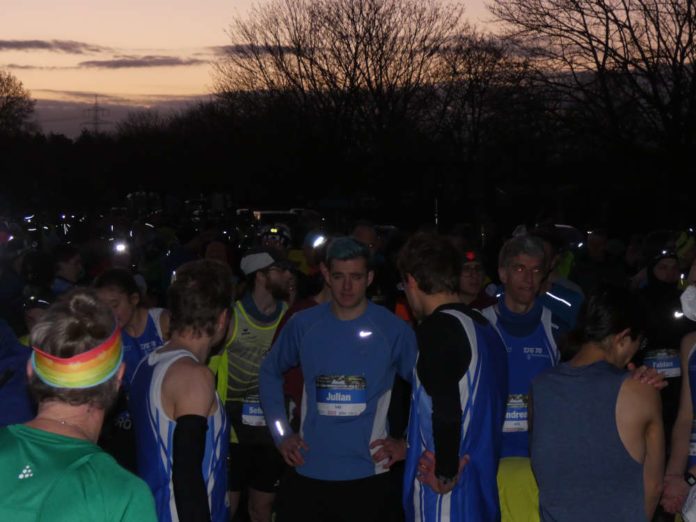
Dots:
{"x": 256, "y": 466}
{"x": 311, "y": 500}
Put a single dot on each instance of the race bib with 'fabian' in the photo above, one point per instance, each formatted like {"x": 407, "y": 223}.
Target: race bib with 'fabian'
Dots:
{"x": 665, "y": 362}
{"x": 515, "y": 414}
{"x": 252, "y": 413}
{"x": 341, "y": 395}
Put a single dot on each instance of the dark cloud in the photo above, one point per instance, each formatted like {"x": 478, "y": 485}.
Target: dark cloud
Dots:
{"x": 80, "y": 96}
{"x": 34, "y": 67}
{"x": 222, "y": 50}
{"x": 123, "y": 62}
{"x": 62, "y": 46}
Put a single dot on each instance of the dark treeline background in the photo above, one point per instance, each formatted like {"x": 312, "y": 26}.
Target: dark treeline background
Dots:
{"x": 399, "y": 113}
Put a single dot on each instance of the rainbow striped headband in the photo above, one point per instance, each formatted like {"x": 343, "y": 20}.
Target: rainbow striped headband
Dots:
{"x": 84, "y": 370}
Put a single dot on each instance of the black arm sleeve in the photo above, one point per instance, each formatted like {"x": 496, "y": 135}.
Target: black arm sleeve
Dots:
{"x": 190, "y": 493}
{"x": 444, "y": 357}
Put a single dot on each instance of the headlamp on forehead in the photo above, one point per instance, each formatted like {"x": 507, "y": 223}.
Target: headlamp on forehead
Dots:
{"x": 318, "y": 241}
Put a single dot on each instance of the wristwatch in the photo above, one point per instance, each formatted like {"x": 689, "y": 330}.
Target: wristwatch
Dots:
{"x": 690, "y": 479}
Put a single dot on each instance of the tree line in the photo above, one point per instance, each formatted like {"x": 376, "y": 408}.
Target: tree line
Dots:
{"x": 567, "y": 106}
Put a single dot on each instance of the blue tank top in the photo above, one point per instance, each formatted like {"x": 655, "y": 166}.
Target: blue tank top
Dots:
{"x": 154, "y": 432}
{"x": 135, "y": 348}
{"x": 528, "y": 356}
{"x": 475, "y": 496}
{"x": 582, "y": 468}
{"x": 691, "y": 361}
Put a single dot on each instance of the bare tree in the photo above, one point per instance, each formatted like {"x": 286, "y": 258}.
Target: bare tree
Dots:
{"x": 362, "y": 61}
{"x": 142, "y": 122}
{"x": 476, "y": 74}
{"x": 16, "y": 105}
{"x": 624, "y": 61}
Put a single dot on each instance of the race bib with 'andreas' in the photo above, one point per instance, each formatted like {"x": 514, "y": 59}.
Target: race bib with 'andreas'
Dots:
{"x": 341, "y": 395}
{"x": 516, "y": 414}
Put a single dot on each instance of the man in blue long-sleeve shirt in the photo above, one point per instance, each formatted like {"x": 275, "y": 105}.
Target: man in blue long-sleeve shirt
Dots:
{"x": 349, "y": 351}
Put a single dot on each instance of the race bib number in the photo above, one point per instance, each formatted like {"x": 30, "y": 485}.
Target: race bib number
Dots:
{"x": 341, "y": 395}
{"x": 665, "y": 362}
{"x": 252, "y": 413}
{"x": 515, "y": 414}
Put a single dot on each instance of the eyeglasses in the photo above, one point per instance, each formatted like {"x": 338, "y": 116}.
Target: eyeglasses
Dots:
{"x": 643, "y": 343}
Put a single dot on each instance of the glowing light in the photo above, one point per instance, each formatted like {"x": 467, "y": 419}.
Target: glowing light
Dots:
{"x": 319, "y": 241}
{"x": 120, "y": 247}
{"x": 280, "y": 429}
{"x": 678, "y": 315}
{"x": 364, "y": 334}
{"x": 580, "y": 244}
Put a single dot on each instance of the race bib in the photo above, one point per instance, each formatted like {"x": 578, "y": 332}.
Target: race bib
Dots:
{"x": 252, "y": 413}
{"x": 341, "y": 395}
{"x": 665, "y": 362}
{"x": 515, "y": 414}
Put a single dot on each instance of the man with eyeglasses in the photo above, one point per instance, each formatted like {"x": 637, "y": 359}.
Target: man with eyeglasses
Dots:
{"x": 528, "y": 330}
{"x": 254, "y": 462}
{"x": 471, "y": 282}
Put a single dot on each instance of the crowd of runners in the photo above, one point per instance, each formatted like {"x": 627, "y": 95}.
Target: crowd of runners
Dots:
{"x": 295, "y": 371}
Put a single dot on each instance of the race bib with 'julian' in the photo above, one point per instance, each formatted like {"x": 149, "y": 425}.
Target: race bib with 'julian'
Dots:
{"x": 341, "y": 395}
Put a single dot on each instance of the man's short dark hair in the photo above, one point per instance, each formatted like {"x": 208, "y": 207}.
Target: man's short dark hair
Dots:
{"x": 345, "y": 248}
{"x": 610, "y": 310}
{"x": 433, "y": 261}
{"x": 200, "y": 292}
{"x": 74, "y": 324}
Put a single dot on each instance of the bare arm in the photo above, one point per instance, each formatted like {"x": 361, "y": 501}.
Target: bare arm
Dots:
{"x": 639, "y": 422}
{"x": 164, "y": 324}
{"x": 676, "y": 488}
{"x": 654, "y": 463}
{"x": 188, "y": 389}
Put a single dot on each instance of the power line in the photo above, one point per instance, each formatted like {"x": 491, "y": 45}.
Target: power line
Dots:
{"x": 96, "y": 114}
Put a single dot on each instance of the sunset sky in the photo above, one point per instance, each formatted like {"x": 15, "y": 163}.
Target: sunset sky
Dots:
{"x": 132, "y": 53}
